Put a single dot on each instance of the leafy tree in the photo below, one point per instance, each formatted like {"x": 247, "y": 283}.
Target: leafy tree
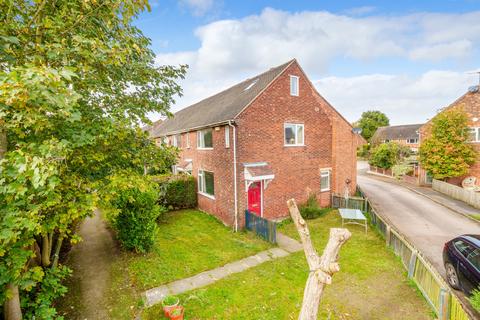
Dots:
{"x": 386, "y": 155}
{"x": 446, "y": 152}
{"x": 76, "y": 79}
{"x": 370, "y": 121}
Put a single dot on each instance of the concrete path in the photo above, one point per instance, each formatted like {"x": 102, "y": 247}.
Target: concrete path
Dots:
{"x": 90, "y": 261}
{"x": 286, "y": 246}
{"x": 426, "y": 224}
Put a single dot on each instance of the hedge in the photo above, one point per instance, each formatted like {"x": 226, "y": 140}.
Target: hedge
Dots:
{"x": 177, "y": 191}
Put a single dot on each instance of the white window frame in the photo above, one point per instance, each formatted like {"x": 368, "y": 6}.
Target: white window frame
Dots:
{"x": 187, "y": 138}
{"x": 227, "y": 137}
{"x": 326, "y": 173}
{"x": 202, "y": 188}
{"x": 296, "y": 80}
{"x": 201, "y": 141}
{"x": 414, "y": 142}
{"x": 175, "y": 141}
{"x": 477, "y": 134}
{"x": 295, "y": 125}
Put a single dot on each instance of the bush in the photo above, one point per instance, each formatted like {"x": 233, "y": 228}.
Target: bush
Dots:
{"x": 177, "y": 191}
{"x": 135, "y": 212}
{"x": 311, "y": 208}
{"x": 475, "y": 299}
{"x": 386, "y": 155}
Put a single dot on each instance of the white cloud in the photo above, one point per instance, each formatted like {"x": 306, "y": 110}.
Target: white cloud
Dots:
{"x": 232, "y": 50}
{"x": 360, "y": 11}
{"x": 404, "y": 99}
{"x": 198, "y": 7}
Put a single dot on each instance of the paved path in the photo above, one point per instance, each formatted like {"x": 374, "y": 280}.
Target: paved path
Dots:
{"x": 90, "y": 261}
{"x": 286, "y": 246}
{"x": 426, "y": 224}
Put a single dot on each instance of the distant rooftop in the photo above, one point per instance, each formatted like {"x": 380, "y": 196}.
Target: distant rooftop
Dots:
{"x": 402, "y": 132}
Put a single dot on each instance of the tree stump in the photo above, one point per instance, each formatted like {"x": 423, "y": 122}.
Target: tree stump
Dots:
{"x": 321, "y": 268}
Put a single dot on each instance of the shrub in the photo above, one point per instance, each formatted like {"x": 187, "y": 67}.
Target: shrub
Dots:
{"x": 311, "y": 208}
{"x": 135, "y": 211}
{"x": 475, "y": 299}
{"x": 177, "y": 191}
{"x": 386, "y": 155}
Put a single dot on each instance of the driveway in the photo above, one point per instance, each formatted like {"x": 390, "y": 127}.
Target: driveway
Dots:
{"x": 426, "y": 224}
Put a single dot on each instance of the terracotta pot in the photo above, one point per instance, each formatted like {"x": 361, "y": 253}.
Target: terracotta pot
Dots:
{"x": 179, "y": 316}
{"x": 167, "y": 309}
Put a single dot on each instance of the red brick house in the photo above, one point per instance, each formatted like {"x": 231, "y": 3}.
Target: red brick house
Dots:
{"x": 470, "y": 103}
{"x": 261, "y": 142}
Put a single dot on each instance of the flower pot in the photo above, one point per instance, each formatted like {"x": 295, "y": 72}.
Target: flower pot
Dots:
{"x": 168, "y": 307}
{"x": 176, "y": 313}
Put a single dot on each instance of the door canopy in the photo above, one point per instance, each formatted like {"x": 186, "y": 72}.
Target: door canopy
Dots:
{"x": 258, "y": 171}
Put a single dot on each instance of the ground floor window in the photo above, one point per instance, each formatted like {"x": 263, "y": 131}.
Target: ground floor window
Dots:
{"x": 325, "y": 180}
{"x": 206, "y": 183}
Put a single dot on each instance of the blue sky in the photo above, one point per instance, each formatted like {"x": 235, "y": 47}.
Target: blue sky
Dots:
{"x": 406, "y": 58}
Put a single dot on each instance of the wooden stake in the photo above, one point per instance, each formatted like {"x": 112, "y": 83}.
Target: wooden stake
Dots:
{"x": 321, "y": 268}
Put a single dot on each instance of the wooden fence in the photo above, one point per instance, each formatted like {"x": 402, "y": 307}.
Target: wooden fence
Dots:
{"x": 350, "y": 203}
{"x": 470, "y": 197}
{"x": 266, "y": 229}
{"x": 435, "y": 290}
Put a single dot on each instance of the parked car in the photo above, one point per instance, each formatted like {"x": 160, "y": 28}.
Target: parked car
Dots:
{"x": 461, "y": 257}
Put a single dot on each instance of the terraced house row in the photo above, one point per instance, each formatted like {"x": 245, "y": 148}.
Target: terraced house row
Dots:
{"x": 261, "y": 142}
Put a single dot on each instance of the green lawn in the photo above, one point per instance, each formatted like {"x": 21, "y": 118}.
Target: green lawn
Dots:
{"x": 188, "y": 243}
{"x": 372, "y": 284}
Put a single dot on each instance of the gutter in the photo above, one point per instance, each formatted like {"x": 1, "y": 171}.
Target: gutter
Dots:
{"x": 235, "y": 174}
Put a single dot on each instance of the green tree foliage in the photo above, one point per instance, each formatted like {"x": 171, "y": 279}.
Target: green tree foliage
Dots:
{"x": 76, "y": 79}
{"x": 370, "y": 121}
{"x": 386, "y": 155}
{"x": 446, "y": 152}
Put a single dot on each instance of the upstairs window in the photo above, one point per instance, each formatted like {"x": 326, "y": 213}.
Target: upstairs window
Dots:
{"x": 206, "y": 183}
{"x": 412, "y": 141}
{"x": 325, "y": 180}
{"x": 293, "y": 85}
{"x": 205, "y": 139}
{"x": 177, "y": 141}
{"x": 227, "y": 137}
{"x": 474, "y": 135}
{"x": 187, "y": 138}
{"x": 294, "y": 134}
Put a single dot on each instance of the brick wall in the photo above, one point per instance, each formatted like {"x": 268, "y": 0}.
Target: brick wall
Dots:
{"x": 220, "y": 162}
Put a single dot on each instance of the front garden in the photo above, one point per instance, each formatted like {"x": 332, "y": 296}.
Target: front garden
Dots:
{"x": 371, "y": 284}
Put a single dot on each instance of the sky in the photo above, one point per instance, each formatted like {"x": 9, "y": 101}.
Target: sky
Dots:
{"x": 405, "y": 58}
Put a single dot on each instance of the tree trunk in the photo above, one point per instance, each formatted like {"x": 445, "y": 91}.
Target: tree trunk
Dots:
{"x": 11, "y": 307}
{"x": 321, "y": 268}
{"x": 46, "y": 250}
{"x": 57, "y": 251}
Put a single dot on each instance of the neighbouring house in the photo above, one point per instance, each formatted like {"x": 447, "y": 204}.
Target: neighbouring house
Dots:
{"x": 261, "y": 142}
{"x": 407, "y": 135}
{"x": 470, "y": 103}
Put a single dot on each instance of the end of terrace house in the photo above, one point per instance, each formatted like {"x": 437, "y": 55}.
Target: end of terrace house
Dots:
{"x": 263, "y": 141}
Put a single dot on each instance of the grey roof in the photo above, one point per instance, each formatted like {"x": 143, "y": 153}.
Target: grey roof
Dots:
{"x": 408, "y": 131}
{"x": 220, "y": 107}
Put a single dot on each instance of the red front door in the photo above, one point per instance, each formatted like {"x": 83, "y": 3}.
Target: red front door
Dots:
{"x": 255, "y": 198}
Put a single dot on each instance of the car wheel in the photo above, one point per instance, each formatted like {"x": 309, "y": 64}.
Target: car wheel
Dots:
{"x": 452, "y": 276}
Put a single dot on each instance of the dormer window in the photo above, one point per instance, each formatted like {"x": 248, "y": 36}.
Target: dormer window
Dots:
{"x": 294, "y": 86}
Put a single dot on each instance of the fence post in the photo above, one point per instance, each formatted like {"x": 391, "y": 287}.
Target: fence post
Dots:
{"x": 412, "y": 264}
{"x": 443, "y": 308}
{"x": 387, "y": 235}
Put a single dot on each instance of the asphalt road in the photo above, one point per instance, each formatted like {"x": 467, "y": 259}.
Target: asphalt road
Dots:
{"x": 426, "y": 224}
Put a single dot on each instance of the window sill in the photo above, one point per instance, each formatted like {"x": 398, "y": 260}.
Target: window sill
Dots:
{"x": 206, "y": 195}
{"x": 325, "y": 190}
{"x": 204, "y": 148}
{"x": 294, "y": 145}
